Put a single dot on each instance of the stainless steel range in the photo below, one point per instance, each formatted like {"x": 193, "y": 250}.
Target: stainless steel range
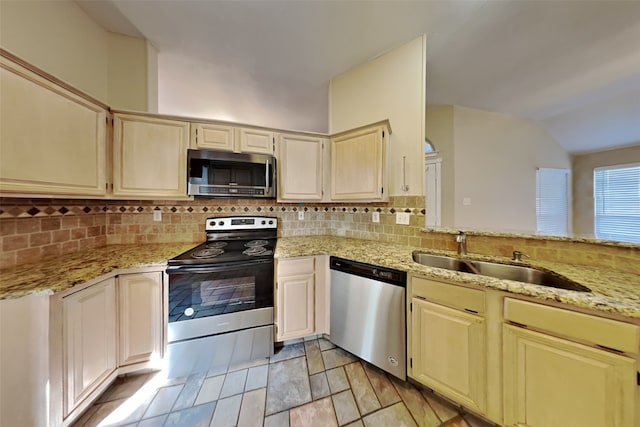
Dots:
{"x": 221, "y": 296}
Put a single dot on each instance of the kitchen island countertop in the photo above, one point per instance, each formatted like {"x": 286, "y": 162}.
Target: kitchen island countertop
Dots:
{"x": 65, "y": 271}
{"x": 614, "y": 292}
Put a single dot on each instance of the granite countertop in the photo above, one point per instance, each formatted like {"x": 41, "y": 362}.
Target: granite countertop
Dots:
{"x": 62, "y": 273}
{"x": 613, "y": 291}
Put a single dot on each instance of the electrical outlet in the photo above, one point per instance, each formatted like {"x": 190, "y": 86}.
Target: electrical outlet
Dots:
{"x": 402, "y": 218}
{"x": 157, "y": 215}
{"x": 300, "y": 215}
{"x": 375, "y": 216}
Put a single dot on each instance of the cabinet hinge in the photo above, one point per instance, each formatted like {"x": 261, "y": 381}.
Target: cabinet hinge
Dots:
{"x": 382, "y": 190}
{"x": 411, "y": 307}
{"x": 470, "y": 311}
{"x": 638, "y": 378}
{"x": 411, "y": 362}
{"x": 196, "y": 135}
{"x": 383, "y": 134}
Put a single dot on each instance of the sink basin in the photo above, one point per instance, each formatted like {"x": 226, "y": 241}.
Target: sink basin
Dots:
{"x": 499, "y": 271}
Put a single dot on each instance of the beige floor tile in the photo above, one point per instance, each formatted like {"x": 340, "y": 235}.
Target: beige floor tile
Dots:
{"x": 252, "y": 409}
{"x": 210, "y": 390}
{"x": 417, "y": 405}
{"x": 396, "y": 415}
{"x": 345, "y": 407}
{"x": 361, "y": 387}
{"x": 387, "y": 394}
{"x": 355, "y": 424}
{"x": 337, "y": 380}
{"x": 444, "y": 411}
{"x": 336, "y": 357}
{"x": 315, "y": 414}
{"x": 314, "y": 357}
{"x": 281, "y": 419}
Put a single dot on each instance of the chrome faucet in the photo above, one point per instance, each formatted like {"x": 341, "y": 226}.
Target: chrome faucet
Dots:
{"x": 461, "y": 238}
{"x": 517, "y": 256}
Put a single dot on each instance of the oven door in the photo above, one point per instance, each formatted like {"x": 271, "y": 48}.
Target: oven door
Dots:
{"x": 214, "y": 299}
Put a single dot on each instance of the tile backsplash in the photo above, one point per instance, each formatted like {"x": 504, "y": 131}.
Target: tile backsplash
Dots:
{"x": 38, "y": 229}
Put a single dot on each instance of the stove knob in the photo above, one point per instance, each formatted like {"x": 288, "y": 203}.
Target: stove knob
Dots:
{"x": 221, "y": 223}
{"x": 264, "y": 222}
{"x": 270, "y": 222}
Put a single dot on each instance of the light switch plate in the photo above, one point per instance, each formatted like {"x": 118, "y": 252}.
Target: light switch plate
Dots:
{"x": 402, "y": 218}
{"x": 375, "y": 216}
{"x": 157, "y": 215}
{"x": 300, "y": 215}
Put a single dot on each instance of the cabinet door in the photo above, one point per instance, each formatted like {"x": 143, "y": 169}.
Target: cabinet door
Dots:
{"x": 300, "y": 167}
{"x": 211, "y": 136}
{"x": 358, "y": 165}
{"x": 89, "y": 335}
{"x": 140, "y": 315}
{"x": 448, "y": 352}
{"x": 52, "y": 141}
{"x": 553, "y": 382}
{"x": 255, "y": 141}
{"x": 150, "y": 157}
{"x": 295, "y": 287}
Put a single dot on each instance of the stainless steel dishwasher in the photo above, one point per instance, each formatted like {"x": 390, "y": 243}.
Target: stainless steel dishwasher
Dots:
{"x": 368, "y": 313}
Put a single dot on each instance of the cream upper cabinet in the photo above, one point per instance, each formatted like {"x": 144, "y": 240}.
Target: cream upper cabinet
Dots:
{"x": 52, "y": 141}
{"x": 212, "y": 137}
{"x": 255, "y": 141}
{"x": 140, "y": 303}
{"x": 552, "y": 381}
{"x": 448, "y": 344}
{"x": 149, "y": 157}
{"x": 219, "y": 136}
{"x": 300, "y": 167}
{"x": 359, "y": 164}
{"x": 295, "y": 297}
{"x": 89, "y": 341}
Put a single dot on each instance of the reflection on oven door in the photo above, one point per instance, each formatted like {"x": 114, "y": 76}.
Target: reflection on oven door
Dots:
{"x": 215, "y": 354}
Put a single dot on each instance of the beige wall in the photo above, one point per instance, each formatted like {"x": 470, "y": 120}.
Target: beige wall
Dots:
{"x": 583, "y": 166}
{"x": 127, "y": 73}
{"x": 391, "y": 86}
{"x": 494, "y": 158}
{"x": 439, "y": 130}
{"x": 58, "y": 37}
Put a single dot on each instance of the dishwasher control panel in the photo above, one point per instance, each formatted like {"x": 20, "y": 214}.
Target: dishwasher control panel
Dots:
{"x": 383, "y": 274}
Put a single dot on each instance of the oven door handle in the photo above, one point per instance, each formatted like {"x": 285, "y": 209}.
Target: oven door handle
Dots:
{"x": 173, "y": 269}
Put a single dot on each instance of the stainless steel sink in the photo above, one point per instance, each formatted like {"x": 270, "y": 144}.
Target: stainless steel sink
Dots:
{"x": 500, "y": 271}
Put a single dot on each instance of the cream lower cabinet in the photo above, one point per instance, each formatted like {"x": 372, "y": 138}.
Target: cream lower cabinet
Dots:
{"x": 302, "y": 297}
{"x": 149, "y": 157}
{"x": 550, "y": 381}
{"x": 448, "y": 352}
{"x": 359, "y": 163}
{"x": 300, "y": 167}
{"x": 89, "y": 341}
{"x": 52, "y": 140}
{"x": 140, "y": 310}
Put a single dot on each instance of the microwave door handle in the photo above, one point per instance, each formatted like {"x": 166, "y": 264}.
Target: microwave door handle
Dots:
{"x": 266, "y": 178}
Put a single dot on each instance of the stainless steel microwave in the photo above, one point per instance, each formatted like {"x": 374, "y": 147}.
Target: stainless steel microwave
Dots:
{"x": 226, "y": 174}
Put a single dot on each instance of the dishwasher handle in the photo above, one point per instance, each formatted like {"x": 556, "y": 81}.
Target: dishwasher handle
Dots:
{"x": 374, "y": 272}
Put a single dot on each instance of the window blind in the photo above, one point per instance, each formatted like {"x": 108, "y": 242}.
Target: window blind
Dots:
{"x": 617, "y": 203}
{"x": 552, "y": 201}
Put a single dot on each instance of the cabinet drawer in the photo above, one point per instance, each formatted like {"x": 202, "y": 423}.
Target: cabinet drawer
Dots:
{"x": 597, "y": 330}
{"x": 449, "y": 295}
{"x": 295, "y": 266}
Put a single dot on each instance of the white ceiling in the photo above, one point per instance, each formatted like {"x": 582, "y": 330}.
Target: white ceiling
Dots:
{"x": 572, "y": 65}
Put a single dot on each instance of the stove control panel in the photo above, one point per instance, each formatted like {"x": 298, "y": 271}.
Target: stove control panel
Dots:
{"x": 241, "y": 223}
